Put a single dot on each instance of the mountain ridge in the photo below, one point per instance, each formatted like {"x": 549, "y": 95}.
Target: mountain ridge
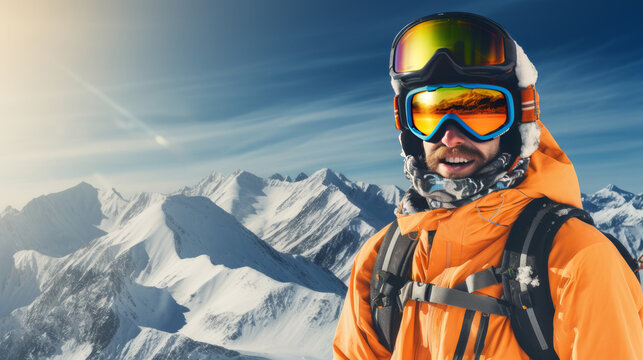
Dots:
{"x": 324, "y": 213}
{"x": 181, "y": 275}
{"x": 160, "y": 270}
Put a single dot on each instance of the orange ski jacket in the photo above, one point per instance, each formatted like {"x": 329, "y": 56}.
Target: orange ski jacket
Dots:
{"x": 597, "y": 298}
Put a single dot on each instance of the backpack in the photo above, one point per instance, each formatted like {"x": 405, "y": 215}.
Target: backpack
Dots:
{"x": 526, "y": 298}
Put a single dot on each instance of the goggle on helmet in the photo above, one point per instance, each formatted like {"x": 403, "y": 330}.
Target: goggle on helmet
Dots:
{"x": 460, "y": 68}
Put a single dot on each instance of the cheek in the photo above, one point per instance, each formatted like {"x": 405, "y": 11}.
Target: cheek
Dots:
{"x": 490, "y": 148}
{"x": 429, "y": 147}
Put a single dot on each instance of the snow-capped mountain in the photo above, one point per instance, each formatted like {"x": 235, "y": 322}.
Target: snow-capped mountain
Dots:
{"x": 174, "y": 275}
{"x": 53, "y": 225}
{"x": 619, "y": 213}
{"x": 211, "y": 271}
{"x": 324, "y": 217}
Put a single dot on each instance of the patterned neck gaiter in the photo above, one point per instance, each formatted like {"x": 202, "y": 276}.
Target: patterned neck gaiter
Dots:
{"x": 431, "y": 191}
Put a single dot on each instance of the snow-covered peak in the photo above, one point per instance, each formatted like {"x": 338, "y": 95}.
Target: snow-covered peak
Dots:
{"x": 54, "y": 224}
{"x": 328, "y": 177}
{"x": 207, "y": 184}
{"x": 244, "y": 175}
{"x": 612, "y": 187}
{"x": 609, "y": 196}
{"x": 79, "y": 196}
{"x": 279, "y": 177}
{"x": 615, "y": 189}
{"x": 392, "y": 193}
{"x": 324, "y": 173}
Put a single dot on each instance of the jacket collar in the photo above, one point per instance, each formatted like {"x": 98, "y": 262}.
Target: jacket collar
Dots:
{"x": 550, "y": 174}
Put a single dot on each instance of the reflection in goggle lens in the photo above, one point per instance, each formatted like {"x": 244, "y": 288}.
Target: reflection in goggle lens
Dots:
{"x": 483, "y": 110}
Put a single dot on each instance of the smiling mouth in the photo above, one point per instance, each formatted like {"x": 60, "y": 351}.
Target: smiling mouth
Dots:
{"x": 456, "y": 161}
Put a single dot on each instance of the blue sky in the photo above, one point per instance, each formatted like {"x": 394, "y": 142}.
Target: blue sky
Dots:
{"x": 155, "y": 95}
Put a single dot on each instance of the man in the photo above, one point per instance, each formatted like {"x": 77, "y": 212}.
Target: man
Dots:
{"x": 477, "y": 154}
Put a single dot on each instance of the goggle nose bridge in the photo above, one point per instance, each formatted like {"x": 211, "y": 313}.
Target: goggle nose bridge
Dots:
{"x": 457, "y": 122}
{"x": 441, "y": 130}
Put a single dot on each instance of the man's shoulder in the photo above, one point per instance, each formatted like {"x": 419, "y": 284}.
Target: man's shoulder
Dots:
{"x": 579, "y": 246}
{"x": 576, "y": 235}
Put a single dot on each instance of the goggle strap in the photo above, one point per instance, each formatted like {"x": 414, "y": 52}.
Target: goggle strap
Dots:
{"x": 530, "y": 104}
{"x": 398, "y": 124}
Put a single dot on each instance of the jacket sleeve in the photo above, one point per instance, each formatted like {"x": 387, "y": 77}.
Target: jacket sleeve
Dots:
{"x": 598, "y": 300}
{"x": 355, "y": 337}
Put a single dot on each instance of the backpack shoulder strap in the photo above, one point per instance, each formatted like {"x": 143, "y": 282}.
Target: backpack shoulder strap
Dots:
{"x": 391, "y": 271}
{"x": 525, "y": 273}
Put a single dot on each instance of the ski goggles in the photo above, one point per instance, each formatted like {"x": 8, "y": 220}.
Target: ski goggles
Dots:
{"x": 484, "y": 111}
{"x": 469, "y": 42}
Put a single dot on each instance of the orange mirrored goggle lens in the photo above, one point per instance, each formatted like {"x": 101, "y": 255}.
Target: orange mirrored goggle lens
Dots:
{"x": 468, "y": 43}
{"x": 483, "y": 111}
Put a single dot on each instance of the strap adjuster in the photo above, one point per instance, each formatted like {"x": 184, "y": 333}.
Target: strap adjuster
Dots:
{"x": 421, "y": 291}
{"x": 414, "y": 290}
{"x": 525, "y": 300}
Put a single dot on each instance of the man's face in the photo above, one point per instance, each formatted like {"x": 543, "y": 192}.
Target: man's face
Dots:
{"x": 456, "y": 156}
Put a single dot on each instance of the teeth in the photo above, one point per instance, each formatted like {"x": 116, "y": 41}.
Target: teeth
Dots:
{"x": 456, "y": 160}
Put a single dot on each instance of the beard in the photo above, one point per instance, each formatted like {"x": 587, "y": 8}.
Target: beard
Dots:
{"x": 435, "y": 157}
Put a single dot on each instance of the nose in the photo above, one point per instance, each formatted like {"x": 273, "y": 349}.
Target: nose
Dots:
{"x": 452, "y": 136}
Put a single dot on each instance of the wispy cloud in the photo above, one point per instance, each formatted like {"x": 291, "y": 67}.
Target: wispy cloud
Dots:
{"x": 138, "y": 122}
{"x": 157, "y": 103}
{"x": 583, "y": 95}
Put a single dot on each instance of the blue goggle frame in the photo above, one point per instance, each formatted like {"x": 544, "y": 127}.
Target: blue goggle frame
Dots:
{"x": 456, "y": 118}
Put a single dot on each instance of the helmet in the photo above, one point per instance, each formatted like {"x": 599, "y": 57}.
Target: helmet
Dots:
{"x": 464, "y": 48}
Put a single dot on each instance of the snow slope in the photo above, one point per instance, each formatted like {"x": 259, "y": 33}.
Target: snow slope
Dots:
{"x": 87, "y": 273}
{"x": 324, "y": 217}
{"x": 176, "y": 275}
